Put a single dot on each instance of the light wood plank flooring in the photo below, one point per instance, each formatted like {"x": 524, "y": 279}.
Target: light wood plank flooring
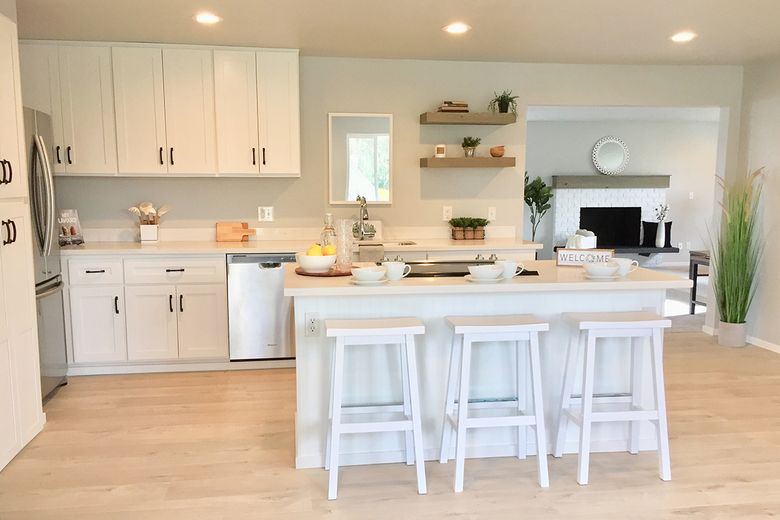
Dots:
{"x": 221, "y": 446}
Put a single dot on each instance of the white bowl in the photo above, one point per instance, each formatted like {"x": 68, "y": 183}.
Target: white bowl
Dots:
{"x": 315, "y": 264}
{"x": 368, "y": 274}
{"x": 601, "y": 268}
{"x": 486, "y": 271}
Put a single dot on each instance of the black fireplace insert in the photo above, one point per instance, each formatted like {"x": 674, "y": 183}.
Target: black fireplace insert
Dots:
{"x": 614, "y": 227}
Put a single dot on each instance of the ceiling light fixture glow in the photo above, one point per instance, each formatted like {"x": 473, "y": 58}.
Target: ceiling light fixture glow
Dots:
{"x": 683, "y": 36}
{"x": 207, "y": 18}
{"x": 456, "y": 28}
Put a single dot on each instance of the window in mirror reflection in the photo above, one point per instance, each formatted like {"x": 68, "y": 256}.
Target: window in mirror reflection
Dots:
{"x": 368, "y": 173}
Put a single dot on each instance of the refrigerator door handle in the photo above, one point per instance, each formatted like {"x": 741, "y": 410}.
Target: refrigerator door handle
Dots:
{"x": 54, "y": 289}
{"x": 50, "y": 221}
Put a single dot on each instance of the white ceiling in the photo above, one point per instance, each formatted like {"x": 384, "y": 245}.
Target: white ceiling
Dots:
{"x": 604, "y": 113}
{"x": 553, "y": 31}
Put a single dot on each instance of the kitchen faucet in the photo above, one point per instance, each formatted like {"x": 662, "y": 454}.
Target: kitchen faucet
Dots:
{"x": 363, "y": 217}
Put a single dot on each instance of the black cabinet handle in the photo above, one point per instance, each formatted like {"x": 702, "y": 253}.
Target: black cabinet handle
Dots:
{"x": 116, "y": 304}
{"x": 67, "y": 153}
{"x": 263, "y": 155}
{"x": 4, "y": 180}
{"x": 95, "y": 271}
{"x": 178, "y": 270}
{"x": 181, "y": 303}
{"x": 254, "y": 156}
{"x": 7, "y": 227}
{"x": 162, "y": 161}
{"x": 10, "y": 172}
{"x": 170, "y": 302}
{"x": 172, "y": 163}
{"x": 13, "y": 225}
{"x": 59, "y": 159}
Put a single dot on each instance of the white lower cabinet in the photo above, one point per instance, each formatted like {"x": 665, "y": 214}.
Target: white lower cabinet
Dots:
{"x": 151, "y": 322}
{"x": 202, "y": 321}
{"x": 98, "y": 324}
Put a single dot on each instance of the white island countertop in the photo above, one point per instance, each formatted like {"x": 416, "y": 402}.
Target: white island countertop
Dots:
{"x": 286, "y": 246}
{"x": 551, "y": 278}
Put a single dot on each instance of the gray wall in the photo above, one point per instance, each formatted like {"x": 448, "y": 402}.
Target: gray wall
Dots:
{"x": 685, "y": 150}
{"x": 406, "y": 88}
{"x": 8, "y": 8}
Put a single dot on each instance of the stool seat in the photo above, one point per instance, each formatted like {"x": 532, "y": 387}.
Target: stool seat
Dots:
{"x": 373, "y": 327}
{"x": 510, "y": 323}
{"x": 617, "y": 320}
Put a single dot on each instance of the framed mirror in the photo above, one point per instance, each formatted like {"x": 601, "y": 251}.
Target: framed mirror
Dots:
{"x": 360, "y": 157}
{"x": 610, "y": 155}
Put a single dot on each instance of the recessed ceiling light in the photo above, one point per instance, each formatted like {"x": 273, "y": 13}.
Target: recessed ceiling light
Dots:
{"x": 207, "y": 18}
{"x": 683, "y": 36}
{"x": 456, "y": 28}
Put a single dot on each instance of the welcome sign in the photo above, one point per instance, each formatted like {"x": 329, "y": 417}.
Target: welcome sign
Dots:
{"x": 583, "y": 256}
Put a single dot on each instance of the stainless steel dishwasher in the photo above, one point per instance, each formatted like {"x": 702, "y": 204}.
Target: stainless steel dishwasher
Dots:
{"x": 260, "y": 315}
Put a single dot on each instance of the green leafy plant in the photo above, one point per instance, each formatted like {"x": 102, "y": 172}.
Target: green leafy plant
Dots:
{"x": 471, "y": 142}
{"x": 737, "y": 249}
{"x": 468, "y": 222}
{"x": 537, "y": 196}
{"x": 503, "y": 102}
{"x": 480, "y": 222}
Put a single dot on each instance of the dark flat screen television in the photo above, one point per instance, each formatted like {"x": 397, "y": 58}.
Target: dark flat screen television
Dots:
{"x": 613, "y": 226}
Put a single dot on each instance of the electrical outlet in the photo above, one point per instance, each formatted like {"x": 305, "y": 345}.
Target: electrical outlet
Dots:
{"x": 679, "y": 245}
{"x": 265, "y": 213}
{"x": 690, "y": 195}
{"x": 688, "y": 246}
{"x": 313, "y": 324}
{"x": 446, "y": 213}
{"x": 491, "y": 213}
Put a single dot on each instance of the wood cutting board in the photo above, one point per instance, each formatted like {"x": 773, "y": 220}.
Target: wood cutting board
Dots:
{"x": 233, "y": 232}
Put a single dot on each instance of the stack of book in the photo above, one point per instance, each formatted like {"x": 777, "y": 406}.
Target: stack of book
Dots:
{"x": 454, "y": 106}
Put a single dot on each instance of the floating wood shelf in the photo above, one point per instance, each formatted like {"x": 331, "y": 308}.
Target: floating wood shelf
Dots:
{"x": 467, "y": 118}
{"x": 610, "y": 181}
{"x": 467, "y": 162}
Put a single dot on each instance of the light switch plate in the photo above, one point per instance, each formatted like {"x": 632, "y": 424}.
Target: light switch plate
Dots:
{"x": 491, "y": 213}
{"x": 446, "y": 213}
{"x": 265, "y": 213}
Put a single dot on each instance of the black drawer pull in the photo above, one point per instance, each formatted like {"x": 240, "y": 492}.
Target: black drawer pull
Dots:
{"x": 116, "y": 304}
{"x": 170, "y": 302}
{"x": 179, "y": 270}
{"x": 95, "y": 271}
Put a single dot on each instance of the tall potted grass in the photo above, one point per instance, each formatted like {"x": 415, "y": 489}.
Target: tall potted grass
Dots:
{"x": 736, "y": 253}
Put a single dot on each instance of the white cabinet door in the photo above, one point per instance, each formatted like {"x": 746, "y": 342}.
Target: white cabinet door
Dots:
{"x": 235, "y": 96}
{"x": 279, "y": 105}
{"x": 203, "y": 330}
{"x": 9, "y": 432}
{"x": 189, "y": 111}
{"x": 151, "y": 322}
{"x": 98, "y": 324}
{"x": 40, "y": 71}
{"x": 13, "y": 174}
{"x": 140, "y": 110}
{"x": 87, "y": 110}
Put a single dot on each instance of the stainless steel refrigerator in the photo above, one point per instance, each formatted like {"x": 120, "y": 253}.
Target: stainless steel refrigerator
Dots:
{"x": 48, "y": 277}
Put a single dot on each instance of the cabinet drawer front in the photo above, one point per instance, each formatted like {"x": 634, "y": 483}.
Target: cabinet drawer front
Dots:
{"x": 175, "y": 270}
{"x": 95, "y": 272}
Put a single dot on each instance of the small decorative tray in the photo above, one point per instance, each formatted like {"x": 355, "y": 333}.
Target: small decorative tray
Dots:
{"x": 332, "y": 272}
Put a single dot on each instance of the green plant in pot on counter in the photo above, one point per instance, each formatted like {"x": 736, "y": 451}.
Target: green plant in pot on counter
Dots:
{"x": 735, "y": 256}
{"x": 503, "y": 102}
{"x": 537, "y": 197}
{"x": 468, "y": 228}
{"x": 470, "y": 145}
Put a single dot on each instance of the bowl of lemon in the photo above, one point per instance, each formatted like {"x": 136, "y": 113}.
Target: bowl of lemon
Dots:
{"x": 317, "y": 259}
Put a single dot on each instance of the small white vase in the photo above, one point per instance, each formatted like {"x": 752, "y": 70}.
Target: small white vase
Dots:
{"x": 148, "y": 233}
{"x": 732, "y": 334}
{"x": 660, "y": 235}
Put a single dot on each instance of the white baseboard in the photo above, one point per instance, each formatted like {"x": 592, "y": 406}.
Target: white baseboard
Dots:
{"x": 763, "y": 344}
{"x": 95, "y": 370}
{"x": 712, "y": 331}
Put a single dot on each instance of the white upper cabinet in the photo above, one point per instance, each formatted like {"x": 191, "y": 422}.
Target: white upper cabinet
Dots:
{"x": 13, "y": 177}
{"x": 88, "y": 126}
{"x": 278, "y": 103}
{"x": 140, "y": 110}
{"x": 189, "y": 111}
{"x": 235, "y": 87}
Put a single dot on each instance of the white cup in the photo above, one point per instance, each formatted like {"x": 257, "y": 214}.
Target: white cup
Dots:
{"x": 368, "y": 274}
{"x": 626, "y": 265}
{"x": 486, "y": 271}
{"x": 396, "y": 270}
{"x": 511, "y": 268}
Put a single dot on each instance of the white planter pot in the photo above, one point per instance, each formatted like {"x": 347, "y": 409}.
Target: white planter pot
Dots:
{"x": 732, "y": 334}
{"x": 148, "y": 233}
{"x": 660, "y": 235}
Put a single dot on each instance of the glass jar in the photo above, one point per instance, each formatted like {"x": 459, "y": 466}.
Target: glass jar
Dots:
{"x": 328, "y": 235}
{"x": 344, "y": 245}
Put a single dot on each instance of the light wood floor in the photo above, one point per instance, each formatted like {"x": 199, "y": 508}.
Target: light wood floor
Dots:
{"x": 220, "y": 445}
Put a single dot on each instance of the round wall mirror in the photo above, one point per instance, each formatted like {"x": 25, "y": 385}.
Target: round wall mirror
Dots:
{"x": 610, "y": 155}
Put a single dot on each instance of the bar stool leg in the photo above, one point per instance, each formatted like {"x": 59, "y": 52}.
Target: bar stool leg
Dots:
{"x": 408, "y": 440}
{"x": 634, "y": 427}
{"x": 662, "y": 428}
{"x": 330, "y": 410}
{"x": 569, "y": 373}
{"x": 414, "y": 394}
{"x": 449, "y": 404}
{"x": 541, "y": 435}
{"x": 335, "y": 434}
{"x": 522, "y": 401}
{"x": 587, "y": 410}
{"x": 463, "y": 413}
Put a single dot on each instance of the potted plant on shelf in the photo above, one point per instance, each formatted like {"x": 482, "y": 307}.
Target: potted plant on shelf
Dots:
{"x": 458, "y": 225}
{"x": 470, "y": 145}
{"x": 503, "y": 102}
{"x": 468, "y": 228}
{"x": 479, "y": 227}
{"x": 736, "y": 253}
{"x": 537, "y": 196}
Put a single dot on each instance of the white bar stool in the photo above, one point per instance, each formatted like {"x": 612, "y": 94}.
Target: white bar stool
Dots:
{"x": 375, "y": 332}
{"x": 476, "y": 329}
{"x": 634, "y": 325}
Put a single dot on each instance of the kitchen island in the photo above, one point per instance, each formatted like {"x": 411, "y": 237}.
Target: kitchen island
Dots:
{"x": 373, "y": 373}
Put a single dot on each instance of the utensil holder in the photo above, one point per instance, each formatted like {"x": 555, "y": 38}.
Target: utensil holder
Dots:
{"x": 149, "y": 233}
